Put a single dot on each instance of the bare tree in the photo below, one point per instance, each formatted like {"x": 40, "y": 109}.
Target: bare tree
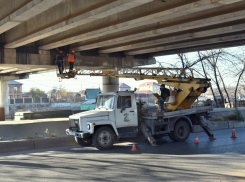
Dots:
{"x": 201, "y": 57}
{"x": 182, "y": 58}
{"x": 239, "y": 77}
{"x": 239, "y": 66}
{"x": 213, "y": 58}
{"x": 222, "y": 80}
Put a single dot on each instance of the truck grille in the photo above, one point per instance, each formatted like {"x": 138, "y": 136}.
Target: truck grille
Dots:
{"x": 74, "y": 124}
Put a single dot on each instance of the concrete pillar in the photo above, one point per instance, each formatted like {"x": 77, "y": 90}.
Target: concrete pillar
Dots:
{"x": 4, "y": 91}
{"x": 4, "y": 95}
{"x": 110, "y": 84}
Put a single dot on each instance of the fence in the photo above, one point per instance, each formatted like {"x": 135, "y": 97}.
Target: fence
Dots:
{"x": 30, "y": 101}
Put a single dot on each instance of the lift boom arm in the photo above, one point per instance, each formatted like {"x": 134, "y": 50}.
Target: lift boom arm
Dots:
{"x": 178, "y": 78}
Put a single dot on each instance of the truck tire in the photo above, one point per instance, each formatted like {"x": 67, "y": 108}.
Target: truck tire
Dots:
{"x": 103, "y": 138}
{"x": 181, "y": 131}
{"x": 84, "y": 141}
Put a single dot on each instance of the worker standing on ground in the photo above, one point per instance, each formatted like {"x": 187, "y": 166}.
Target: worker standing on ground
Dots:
{"x": 59, "y": 60}
{"x": 164, "y": 94}
{"x": 71, "y": 59}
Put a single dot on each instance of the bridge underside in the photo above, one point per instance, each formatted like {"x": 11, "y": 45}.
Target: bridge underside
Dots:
{"x": 109, "y": 33}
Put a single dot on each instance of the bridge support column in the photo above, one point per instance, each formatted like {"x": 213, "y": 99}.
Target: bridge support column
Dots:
{"x": 4, "y": 95}
{"x": 4, "y": 91}
{"x": 110, "y": 84}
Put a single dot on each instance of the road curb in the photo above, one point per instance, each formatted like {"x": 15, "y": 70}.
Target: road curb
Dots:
{"x": 236, "y": 124}
{"x": 42, "y": 143}
{"x": 220, "y": 125}
{"x": 55, "y": 142}
{"x": 15, "y": 146}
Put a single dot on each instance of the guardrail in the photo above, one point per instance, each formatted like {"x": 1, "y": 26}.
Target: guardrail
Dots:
{"x": 30, "y": 101}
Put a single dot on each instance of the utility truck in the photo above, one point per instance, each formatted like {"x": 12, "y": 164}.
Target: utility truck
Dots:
{"x": 118, "y": 115}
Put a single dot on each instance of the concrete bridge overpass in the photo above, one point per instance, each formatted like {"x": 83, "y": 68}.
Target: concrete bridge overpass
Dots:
{"x": 110, "y": 33}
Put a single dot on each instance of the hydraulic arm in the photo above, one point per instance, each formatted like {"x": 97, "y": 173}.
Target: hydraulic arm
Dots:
{"x": 189, "y": 88}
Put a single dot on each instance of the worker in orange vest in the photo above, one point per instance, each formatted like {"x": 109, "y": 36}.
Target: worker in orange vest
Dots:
{"x": 71, "y": 59}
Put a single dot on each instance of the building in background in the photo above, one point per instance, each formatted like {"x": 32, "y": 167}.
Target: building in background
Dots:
{"x": 91, "y": 96}
{"x": 149, "y": 86}
{"x": 124, "y": 87}
{"x": 91, "y": 93}
{"x": 15, "y": 90}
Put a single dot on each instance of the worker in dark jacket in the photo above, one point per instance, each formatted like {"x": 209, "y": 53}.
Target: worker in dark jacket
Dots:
{"x": 164, "y": 94}
{"x": 60, "y": 57}
{"x": 71, "y": 59}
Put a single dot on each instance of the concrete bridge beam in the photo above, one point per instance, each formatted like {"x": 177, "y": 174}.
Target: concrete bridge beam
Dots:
{"x": 98, "y": 13}
{"x": 18, "y": 63}
{"x": 25, "y": 12}
{"x": 192, "y": 43}
{"x": 200, "y": 48}
{"x": 167, "y": 15}
{"x": 223, "y": 29}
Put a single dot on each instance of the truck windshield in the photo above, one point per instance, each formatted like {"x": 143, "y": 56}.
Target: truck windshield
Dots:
{"x": 105, "y": 101}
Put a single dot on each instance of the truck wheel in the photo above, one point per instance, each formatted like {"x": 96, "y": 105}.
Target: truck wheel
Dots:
{"x": 103, "y": 138}
{"x": 84, "y": 141}
{"x": 181, "y": 131}
{"x": 158, "y": 136}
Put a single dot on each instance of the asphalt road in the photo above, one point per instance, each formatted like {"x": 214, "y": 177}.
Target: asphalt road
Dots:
{"x": 221, "y": 160}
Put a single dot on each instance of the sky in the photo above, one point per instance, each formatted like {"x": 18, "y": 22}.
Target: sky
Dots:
{"x": 49, "y": 80}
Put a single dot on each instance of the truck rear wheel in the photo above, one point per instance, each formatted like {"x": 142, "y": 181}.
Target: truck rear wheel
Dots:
{"x": 103, "y": 138}
{"x": 84, "y": 141}
{"x": 181, "y": 131}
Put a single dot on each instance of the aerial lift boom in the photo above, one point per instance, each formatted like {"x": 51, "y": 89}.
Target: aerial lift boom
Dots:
{"x": 181, "y": 79}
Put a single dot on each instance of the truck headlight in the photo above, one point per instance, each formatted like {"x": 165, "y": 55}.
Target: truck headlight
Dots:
{"x": 88, "y": 126}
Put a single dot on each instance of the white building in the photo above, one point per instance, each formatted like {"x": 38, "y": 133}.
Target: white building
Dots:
{"x": 124, "y": 87}
{"x": 150, "y": 86}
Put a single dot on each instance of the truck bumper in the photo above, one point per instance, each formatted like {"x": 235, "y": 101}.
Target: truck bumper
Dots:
{"x": 77, "y": 134}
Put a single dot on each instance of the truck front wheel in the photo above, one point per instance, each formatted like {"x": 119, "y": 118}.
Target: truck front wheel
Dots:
{"x": 103, "y": 138}
{"x": 84, "y": 141}
{"x": 181, "y": 131}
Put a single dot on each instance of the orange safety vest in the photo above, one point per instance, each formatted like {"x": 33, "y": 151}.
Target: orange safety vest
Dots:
{"x": 71, "y": 58}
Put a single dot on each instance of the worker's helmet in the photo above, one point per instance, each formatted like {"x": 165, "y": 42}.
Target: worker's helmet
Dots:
{"x": 72, "y": 51}
{"x": 60, "y": 52}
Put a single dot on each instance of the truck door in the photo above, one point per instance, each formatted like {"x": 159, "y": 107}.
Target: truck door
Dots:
{"x": 126, "y": 111}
